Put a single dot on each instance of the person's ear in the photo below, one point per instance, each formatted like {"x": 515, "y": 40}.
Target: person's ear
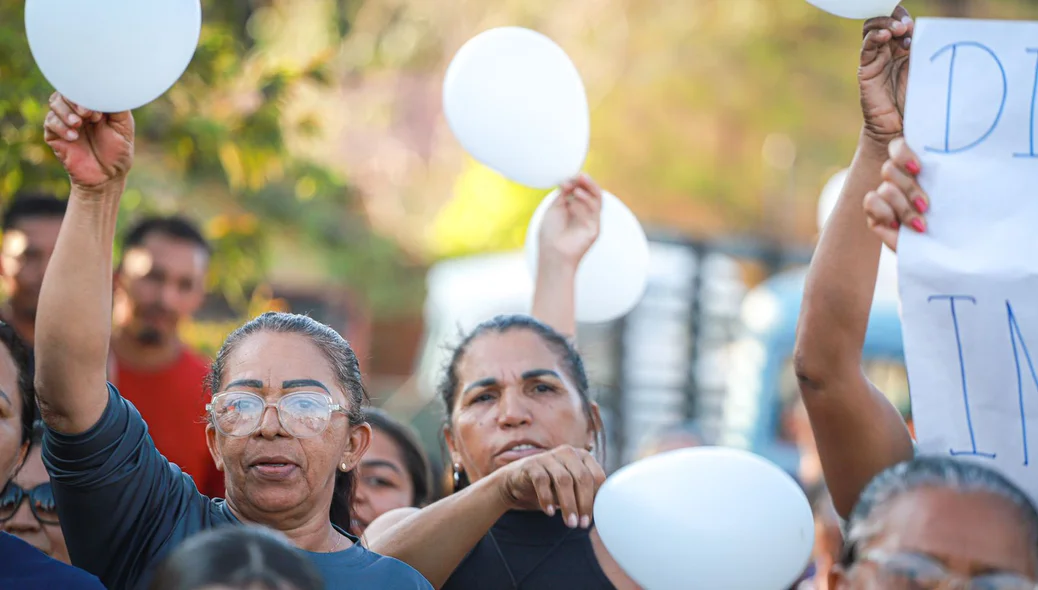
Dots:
{"x": 356, "y": 445}
{"x": 596, "y": 425}
{"x": 210, "y": 441}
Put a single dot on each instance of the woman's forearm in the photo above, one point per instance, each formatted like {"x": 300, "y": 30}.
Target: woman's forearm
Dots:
{"x": 74, "y": 320}
{"x": 435, "y": 539}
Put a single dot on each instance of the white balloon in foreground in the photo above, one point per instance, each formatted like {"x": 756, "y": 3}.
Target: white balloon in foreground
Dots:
{"x": 708, "y": 517}
{"x": 516, "y": 103}
{"x": 112, "y": 55}
{"x": 612, "y": 276}
{"x": 857, "y": 9}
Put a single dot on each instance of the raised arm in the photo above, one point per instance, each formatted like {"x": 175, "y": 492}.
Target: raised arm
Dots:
{"x": 569, "y": 229}
{"x": 858, "y": 431}
{"x": 75, "y": 311}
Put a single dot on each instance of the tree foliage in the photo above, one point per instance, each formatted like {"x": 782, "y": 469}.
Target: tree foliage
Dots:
{"x": 218, "y": 147}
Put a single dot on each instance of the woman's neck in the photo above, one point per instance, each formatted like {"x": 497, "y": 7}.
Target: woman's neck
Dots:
{"x": 312, "y": 532}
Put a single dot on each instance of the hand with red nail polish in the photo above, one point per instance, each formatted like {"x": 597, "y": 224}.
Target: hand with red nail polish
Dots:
{"x": 899, "y": 201}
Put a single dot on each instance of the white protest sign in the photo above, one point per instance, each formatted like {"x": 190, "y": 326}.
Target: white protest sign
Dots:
{"x": 969, "y": 285}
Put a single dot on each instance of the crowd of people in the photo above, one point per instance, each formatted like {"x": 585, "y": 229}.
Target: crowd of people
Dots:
{"x": 293, "y": 483}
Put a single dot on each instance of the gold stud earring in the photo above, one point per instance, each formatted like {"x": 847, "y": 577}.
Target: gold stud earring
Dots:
{"x": 344, "y": 467}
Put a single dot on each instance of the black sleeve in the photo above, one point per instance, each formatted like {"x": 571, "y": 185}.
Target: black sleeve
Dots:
{"x": 122, "y": 505}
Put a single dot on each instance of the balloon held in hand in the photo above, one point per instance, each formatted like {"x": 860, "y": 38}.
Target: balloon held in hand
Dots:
{"x": 857, "y": 9}
{"x": 516, "y": 103}
{"x": 112, "y": 55}
{"x": 707, "y": 517}
{"x": 612, "y": 276}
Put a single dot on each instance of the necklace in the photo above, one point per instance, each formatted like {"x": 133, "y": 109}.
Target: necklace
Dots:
{"x": 338, "y": 542}
{"x": 508, "y": 570}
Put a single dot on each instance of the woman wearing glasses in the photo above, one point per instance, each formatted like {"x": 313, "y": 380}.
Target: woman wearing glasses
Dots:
{"x": 901, "y": 535}
{"x": 285, "y": 420}
{"x": 27, "y": 508}
{"x": 22, "y": 565}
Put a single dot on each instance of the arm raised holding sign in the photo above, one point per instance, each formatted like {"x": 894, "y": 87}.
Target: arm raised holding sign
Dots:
{"x": 858, "y": 432}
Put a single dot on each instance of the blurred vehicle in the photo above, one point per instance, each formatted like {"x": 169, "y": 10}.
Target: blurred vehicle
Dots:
{"x": 762, "y": 387}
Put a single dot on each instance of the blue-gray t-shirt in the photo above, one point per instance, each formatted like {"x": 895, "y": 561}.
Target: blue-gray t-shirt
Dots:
{"x": 123, "y": 507}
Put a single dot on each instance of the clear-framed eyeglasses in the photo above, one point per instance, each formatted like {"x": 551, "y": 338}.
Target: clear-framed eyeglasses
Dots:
{"x": 912, "y": 571}
{"x": 302, "y": 414}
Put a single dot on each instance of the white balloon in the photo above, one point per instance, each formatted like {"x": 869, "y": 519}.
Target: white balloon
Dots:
{"x": 707, "y": 517}
{"x": 612, "y": 276}
{"x": 516, "y": 103}
{"x": 857, "y": 9}
{"x": 112, "y": 55}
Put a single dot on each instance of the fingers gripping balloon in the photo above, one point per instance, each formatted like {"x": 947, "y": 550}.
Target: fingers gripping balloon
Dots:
{"x": 857, "y": 9}
{"x": 112, "y": 55}
{"x": 613, "y": 274}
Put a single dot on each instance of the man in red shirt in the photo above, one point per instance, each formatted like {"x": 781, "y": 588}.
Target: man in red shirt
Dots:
{"x": 160, "y": 282}
{"x": 30, "y": 225}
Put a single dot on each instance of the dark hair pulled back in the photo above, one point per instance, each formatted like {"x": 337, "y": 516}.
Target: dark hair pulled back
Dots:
{"x": 339, "y": 354}
{"x": 569, "y": 359}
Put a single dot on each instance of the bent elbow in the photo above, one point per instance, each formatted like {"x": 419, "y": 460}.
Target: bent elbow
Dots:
{"x": 809, "y": 370}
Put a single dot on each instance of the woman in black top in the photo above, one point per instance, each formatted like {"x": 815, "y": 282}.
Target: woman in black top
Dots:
{"x": 522, "y": 429}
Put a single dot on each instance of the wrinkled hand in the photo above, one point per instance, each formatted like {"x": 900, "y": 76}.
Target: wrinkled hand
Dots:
{"x": 564, "y": 479}
{"x": 899, "y": 200}
{"x": 96, "y": 149}
{"x": 570, "y": 224}
{"x": 883, "y": 74}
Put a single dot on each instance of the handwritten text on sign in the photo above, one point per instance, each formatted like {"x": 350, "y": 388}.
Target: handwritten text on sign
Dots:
{"x": 969, "y": 286}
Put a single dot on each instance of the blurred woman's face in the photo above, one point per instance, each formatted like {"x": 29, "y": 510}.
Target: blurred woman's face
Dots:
{"x": 514, "y": 400}
{"x": 383, "y": 481}
{"x": 12, "y": 449}
{"x": 271, "y": 471}
{"x": 943, "y": 535}
{"x": 24, "y": 524}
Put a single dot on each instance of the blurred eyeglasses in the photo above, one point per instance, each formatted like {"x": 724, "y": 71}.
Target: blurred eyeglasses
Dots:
{"x": 913, "y": 571}
{"x": 303, "y": 415}
{"x": 41, "y": 502}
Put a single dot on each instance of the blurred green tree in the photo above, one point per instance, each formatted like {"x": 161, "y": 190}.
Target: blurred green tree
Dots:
{"x": 217, "y": 147}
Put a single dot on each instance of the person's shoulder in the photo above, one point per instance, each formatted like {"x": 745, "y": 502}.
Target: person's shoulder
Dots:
{"x": 383, "y": 523}
{"x": 29, "y": 568}
{"x": 399, "y": 573}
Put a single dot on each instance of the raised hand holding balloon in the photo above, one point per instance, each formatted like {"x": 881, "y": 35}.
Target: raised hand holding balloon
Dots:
{"x": 857, "y": 9}
{"x": 517, "y": 104}
{"x": 708, "y": 517}
{"x": 112, "y": 56}
{"x": 613, "y": 273}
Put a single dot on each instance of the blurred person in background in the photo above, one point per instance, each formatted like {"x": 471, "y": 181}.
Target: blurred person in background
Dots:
{"x": 285, "y": 419}
{"x": 828, "y": 542}
{"x": 31, "y": 223}
{"x": 23, "y": 566}
{"x": 394, "y": 472}
{"x": 940, "y": 522}
{"x": 679, "y": 436}
{"x": 521, "y": 432}
{"x": 160, "y": 284}
{"x": 237, "y": 558}
{"x": 27, "y": 507}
